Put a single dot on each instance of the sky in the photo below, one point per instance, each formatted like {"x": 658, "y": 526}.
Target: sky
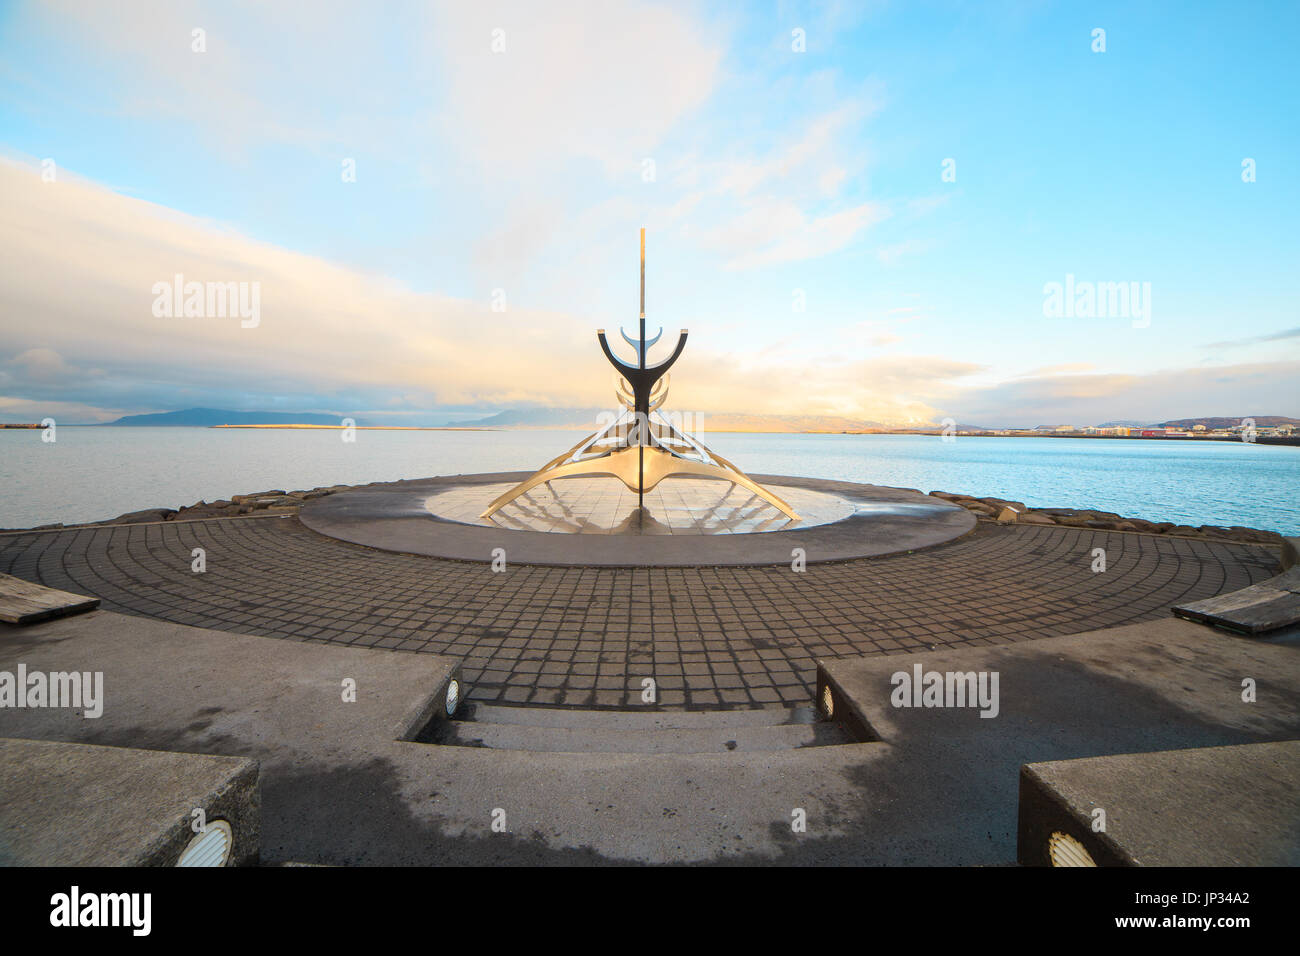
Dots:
{"x": 856, "y": 209}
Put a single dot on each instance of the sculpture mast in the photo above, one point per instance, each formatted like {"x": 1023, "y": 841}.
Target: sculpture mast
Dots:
{"x": 640, "y": 439}
{"x": 643, "y": 296}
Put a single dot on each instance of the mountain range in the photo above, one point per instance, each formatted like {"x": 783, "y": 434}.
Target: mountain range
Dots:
{"x": 207, "y": 417}
{"x": 585, "y": 418}
{"x": 719, "y": 422}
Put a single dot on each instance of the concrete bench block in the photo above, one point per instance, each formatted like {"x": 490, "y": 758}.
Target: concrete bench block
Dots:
{"x": 65, "y": 804}
{"x": 1207, "y": 806}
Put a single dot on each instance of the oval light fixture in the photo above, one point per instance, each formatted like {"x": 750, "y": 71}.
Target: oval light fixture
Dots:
{"x": 453, "y": 696}
{"x": 1065, "y": 850}
{"x": 209, "y": 848}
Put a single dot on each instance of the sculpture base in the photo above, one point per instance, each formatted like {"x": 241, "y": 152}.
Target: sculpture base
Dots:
{"x": 605, "y": 505}
{"x": 876, "y": 521}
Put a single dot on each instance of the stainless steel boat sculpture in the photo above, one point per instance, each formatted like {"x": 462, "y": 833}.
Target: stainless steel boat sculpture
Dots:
{"x": 640, "y": 447}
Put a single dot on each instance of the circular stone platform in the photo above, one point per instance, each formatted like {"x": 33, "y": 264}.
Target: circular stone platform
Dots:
{"x": 591, "y": 523}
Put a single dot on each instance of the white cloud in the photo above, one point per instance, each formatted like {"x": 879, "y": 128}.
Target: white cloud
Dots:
{"x": 584, "y": 78}
{"x": 817, "y": 157}
{"x": 293, "y": 72}
{"x": 76, "y": 295}
{"x": 925, "y": 205}
{"x": 891, "y": 254}
{"x": 84, "y": 261}
{"x": 39, "y": 365}
{"x": 782, "y": 232}
{"x": 1264, "y": 388}
{"x": 32, "y": 411}
{"x": 785, "y": 204}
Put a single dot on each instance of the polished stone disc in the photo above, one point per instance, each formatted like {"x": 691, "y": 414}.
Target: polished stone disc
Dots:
{"x": 602, "y": 505}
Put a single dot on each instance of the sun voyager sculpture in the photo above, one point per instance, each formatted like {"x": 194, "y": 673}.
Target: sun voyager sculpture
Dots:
{"x": 640, "y": 447}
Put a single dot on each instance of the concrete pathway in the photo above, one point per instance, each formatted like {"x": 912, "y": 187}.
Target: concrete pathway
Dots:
{"x": 339, "y": 786}
{"x": 710, "y": 637}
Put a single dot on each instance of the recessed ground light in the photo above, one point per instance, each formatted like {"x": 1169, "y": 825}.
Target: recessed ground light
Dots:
{"x": 453, "y": 696}
{"x": 828, "y": 701}
{"x": 1065, "y": 850}
{"x": 209, "y": 848}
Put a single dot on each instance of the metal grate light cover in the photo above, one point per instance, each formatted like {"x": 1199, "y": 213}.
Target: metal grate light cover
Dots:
{"x": 209, "y": 848}
{"x": 641, "y": 447}
{"x": 1065, "y": 850}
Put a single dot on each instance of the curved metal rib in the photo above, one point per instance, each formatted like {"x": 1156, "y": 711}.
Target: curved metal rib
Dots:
{"x": 641, "y": 347}
{"x": 663, "y": 366}
{"x": 614, "y": 360}
{"x": 631, "y": 372}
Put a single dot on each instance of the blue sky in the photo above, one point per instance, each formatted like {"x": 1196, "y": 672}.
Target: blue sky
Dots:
{"x": 779, "y": 176}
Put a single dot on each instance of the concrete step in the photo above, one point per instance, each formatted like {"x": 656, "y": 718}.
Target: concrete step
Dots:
{"x": 577, "y": 718}
{"x": 595, "y": 738}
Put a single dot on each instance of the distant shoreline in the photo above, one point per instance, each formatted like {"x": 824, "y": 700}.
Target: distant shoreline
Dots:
{"x": 373, "y": 428}
{"x": 1259, "y": 440}
{"x": 1290, "y": 440}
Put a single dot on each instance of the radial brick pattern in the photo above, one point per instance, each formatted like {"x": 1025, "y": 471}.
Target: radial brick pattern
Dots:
{"x": 709, "y": 637}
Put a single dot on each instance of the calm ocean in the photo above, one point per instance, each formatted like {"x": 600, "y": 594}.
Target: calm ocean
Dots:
{"x": 93, "y": 473}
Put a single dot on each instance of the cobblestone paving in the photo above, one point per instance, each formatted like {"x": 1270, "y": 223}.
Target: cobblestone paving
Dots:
{"x": 710, "y": 637}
